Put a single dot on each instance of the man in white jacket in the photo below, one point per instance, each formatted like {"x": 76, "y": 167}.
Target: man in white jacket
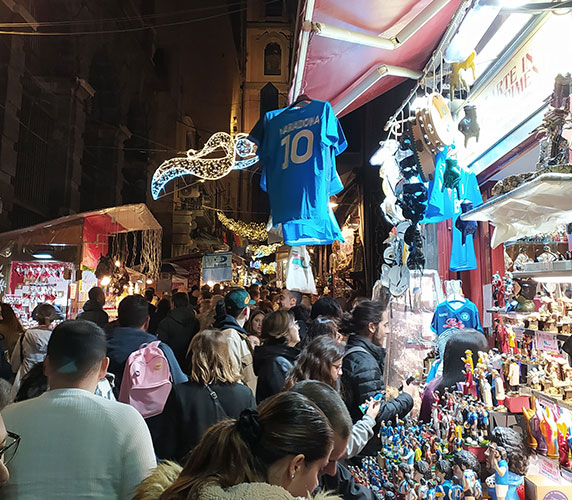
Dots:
{"x": 74, "y": 443}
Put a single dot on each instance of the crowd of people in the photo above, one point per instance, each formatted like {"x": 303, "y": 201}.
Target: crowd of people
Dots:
{"x": 230, "y": 394}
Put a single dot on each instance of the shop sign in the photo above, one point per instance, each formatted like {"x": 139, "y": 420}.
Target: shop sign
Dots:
{"x": 548, "y": 468}
{"x": 217, "y": 267}
{"x": 520, "y": 87}
{"x": 546, "y": 342}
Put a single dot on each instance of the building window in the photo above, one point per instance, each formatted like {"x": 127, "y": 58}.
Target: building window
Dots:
{"x": 273, "y": 8}
{"x": 272, "y": 59}
{"x": 268, "y": 99}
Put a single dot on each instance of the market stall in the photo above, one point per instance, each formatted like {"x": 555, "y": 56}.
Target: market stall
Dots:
{"x": 59, "y": 261}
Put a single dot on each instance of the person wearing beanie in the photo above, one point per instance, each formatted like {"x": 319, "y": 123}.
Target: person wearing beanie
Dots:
{"x": 231, "y": 314}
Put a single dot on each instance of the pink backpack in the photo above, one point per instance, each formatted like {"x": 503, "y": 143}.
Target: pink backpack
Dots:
{"x": 146, "y": 381}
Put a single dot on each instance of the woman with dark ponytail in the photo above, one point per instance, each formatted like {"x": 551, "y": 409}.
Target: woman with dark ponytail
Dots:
{"x": 363, "y": 366}
{"x": 274, "y": 453}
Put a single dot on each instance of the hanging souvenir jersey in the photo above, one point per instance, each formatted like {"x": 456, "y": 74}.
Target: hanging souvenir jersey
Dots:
{"x": 447, "y": 317}
{"x": 312, "y": 232}
{"x": 440, "y": 200}
{"x": 297, "y": 147}
{"x": 463, "y": 256}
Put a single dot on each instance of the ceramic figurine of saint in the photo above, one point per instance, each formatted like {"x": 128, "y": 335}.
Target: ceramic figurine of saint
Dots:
{"x": 498, "y": 386}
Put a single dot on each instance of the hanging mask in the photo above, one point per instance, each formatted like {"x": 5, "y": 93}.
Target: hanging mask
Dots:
{"x": 413, "y": 201}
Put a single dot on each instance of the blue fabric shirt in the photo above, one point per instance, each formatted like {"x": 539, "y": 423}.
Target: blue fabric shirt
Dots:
{"x": 122, "y": 341}
{"x": 446, "y": 317}
{"x": 463, "y": 256}
{"x": 297, "y": 147}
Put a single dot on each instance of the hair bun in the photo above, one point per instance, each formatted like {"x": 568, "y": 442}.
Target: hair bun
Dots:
{"x": 248, "y": 427}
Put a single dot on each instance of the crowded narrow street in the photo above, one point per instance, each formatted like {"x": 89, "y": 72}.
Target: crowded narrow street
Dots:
{"x": 285, "y": 250}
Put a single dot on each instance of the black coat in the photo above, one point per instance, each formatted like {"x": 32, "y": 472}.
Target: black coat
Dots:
{"x": 343, "y": 484}
{"x": 177, "y": 330}
{"x": 271, "y": 364}
{"x": 92, "y": 311}
{"x": 362, "y": 378}
{"x": 190, "y": 411}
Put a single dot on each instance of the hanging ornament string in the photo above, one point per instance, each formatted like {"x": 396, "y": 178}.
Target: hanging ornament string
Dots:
{"x": 254, "y": 231}
{"x": 199, "y": 164}
{"x": 267, "y": 268}
{"x": 260, "y": 251}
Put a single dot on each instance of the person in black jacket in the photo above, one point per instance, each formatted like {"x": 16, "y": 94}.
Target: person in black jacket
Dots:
{"x": 93, "y": 308}
{"x": 363, "y": 367}
{"x": 335, "y": 477}
{"x": 179, "y": 327}
{"x": 213, "y": 393}
{"x": 276, "y": 356}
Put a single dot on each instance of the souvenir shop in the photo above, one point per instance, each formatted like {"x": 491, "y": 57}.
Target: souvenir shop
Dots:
{"x": 476, "y": 169}
{"x": 59, "y": 261}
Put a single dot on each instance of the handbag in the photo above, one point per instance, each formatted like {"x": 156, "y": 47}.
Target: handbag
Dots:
{"x": 219, "y": 410}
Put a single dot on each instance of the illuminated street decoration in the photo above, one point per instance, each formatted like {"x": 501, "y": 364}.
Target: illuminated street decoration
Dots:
{"x": 266, "y": 268}
{"x": 259, "y": 251}
{"x": 253, "y": 231}
{"x": 239, "y": 153}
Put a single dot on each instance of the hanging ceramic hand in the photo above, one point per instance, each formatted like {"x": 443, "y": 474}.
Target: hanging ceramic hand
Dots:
{"x": 451, "y": 176}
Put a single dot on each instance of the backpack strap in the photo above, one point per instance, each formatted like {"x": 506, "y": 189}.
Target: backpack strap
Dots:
{"x": 356, "y": 348}
{"x": 221, "y": 413}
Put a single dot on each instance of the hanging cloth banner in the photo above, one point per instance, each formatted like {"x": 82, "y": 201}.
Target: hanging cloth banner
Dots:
{"x": 299, "y": 275}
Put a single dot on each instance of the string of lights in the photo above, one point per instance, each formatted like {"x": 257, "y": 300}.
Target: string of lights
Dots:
{"x": 121, "y": 30}
{"x": 255, "y": 231}
{"x": 267, "y": 268}
{"x": 198, "y": 164}
{"x": 138, "y": 18}
{"x": 260, "y": 251}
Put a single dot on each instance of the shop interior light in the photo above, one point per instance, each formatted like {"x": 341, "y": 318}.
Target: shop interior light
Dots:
{"x": 42, "y": 256}
{"x": 105, "y": 280}
{"x": 475, "y": 24}
{"x": 332, "y": 204}
{"x": 149, "y": 281}
{"x": 117, "y": 263}
{"x": 210, "y": 283}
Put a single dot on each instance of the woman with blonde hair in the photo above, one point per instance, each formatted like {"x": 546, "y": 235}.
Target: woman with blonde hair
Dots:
{"x": 10, "y": 327}
{"x": 275, "y": 453}
{"x": 277, "y": 354}
{"x": 212, "y": 393}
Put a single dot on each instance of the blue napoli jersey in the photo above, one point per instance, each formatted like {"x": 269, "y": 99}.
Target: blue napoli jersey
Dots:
{"x": 463, "y": 256}
{"x": 446, "y": 317}
{"x": 297, "y": 148}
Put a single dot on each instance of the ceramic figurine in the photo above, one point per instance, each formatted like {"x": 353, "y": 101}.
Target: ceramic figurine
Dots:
{"x": 517, "y": 457}
{"x": 500, "y": 465}
{"x": 563, "y": 448}
{"x": 513, "y": 375}
{"x": 486, "y": 393}
{"x": 498, "y": 386}
{"x": 550, "y": 433}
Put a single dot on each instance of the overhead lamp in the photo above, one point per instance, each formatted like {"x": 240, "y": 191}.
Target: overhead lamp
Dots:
{"x": 149, "y": 281}
{"x": 42, "y": 256}
{"x": 117, "y": 263}
{"x": 105, "y": 281}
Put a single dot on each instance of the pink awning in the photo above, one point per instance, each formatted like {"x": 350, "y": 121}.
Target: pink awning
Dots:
{"x": 332, "y": 67}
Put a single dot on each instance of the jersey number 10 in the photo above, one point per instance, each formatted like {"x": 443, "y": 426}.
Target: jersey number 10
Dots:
{"x": 291, "y": 148}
